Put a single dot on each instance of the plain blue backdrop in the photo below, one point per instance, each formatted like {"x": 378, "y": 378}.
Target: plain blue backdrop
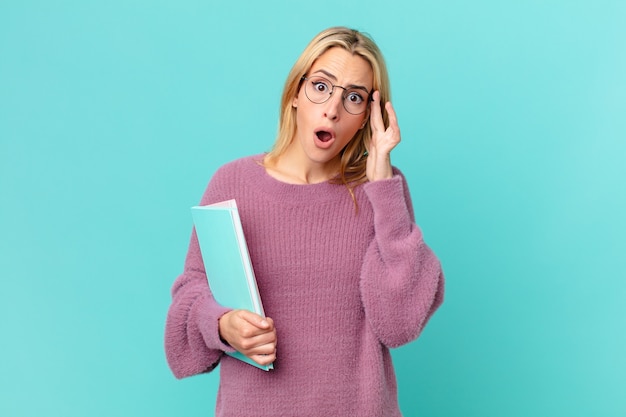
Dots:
{"x": 114, "y": 115}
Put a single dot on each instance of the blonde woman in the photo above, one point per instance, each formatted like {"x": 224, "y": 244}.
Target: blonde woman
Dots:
{"x": 341, "y": 266}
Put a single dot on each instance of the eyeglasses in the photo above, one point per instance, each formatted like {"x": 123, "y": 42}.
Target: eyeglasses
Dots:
{"x": 318, "y": 90}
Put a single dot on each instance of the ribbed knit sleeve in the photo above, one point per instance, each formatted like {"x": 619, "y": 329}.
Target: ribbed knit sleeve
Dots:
{"x": 402, "y": 282}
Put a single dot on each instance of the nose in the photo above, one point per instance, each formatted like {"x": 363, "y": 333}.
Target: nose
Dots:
{"x": 333, "y": 104}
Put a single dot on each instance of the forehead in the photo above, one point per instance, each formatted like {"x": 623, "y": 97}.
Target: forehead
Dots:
{"x": 344, "y": 67}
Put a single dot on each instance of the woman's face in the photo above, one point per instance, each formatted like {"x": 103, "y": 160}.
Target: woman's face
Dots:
{"x": 323, "y": 130}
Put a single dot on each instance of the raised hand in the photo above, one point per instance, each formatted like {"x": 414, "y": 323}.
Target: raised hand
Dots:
{"x": 383, "y": 141}
{"x": 250, "y": 334}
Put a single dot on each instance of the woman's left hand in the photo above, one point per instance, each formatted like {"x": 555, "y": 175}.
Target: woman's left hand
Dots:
{"x": 383, "y": 141}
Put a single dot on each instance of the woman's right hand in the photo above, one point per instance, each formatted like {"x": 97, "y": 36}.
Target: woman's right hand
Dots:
{"x": 250, "y": 334}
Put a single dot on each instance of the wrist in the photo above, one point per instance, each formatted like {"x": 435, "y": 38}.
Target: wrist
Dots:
{"x": 220, "y": 328}
{"x": 382, "y": 171}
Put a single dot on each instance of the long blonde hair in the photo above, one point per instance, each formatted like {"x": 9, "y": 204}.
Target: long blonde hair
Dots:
{"x": 354, "y": 155}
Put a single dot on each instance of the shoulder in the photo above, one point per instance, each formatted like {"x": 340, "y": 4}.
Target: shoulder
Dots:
{"x": 248, "y": 165}
{"x": 238, "y": 169}
{"x": 231, "y": 176}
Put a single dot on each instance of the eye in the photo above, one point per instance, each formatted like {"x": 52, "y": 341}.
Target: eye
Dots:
{"x": 320, "y": 86}
{"x": 354, "y": 97}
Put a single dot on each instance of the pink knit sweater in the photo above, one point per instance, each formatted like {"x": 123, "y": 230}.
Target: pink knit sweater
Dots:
{"x": 342, "y": 287}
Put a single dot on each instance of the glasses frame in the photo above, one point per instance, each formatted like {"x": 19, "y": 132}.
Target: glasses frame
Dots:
{"x": 369, "y": 99}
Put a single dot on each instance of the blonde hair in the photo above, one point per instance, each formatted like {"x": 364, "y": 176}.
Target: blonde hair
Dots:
{"x": 354, "y": 155}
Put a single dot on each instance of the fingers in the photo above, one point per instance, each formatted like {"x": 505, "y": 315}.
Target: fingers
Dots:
{"x": 264, "y": 344}
{"x": 393, "y": 120}
{"x": 250, "y": 334}
{"x": 260, "y": 348}
{"x": 256, "y": 320}
{"x": 383, "y": 141}
{"x": 376, "y": 115}
{"x": 376, "y": 118}
{"x": 264, "y": 359}
{"x": 245, "y": 324}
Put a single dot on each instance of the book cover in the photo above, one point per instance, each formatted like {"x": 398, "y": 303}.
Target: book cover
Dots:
{"x": 227, "y": 261}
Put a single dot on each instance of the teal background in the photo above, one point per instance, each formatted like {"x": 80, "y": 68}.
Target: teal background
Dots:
{"x": 114, "y": 115}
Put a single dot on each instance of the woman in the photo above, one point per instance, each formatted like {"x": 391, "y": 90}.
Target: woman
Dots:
{"x": 342, "y": 268}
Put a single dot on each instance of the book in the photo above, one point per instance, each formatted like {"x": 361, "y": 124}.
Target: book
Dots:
{"x": 227, "y": 261}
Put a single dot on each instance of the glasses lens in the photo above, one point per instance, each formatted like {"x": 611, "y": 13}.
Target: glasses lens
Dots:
{"x": 318, "y": 89}
{"x": 355, "y": 101}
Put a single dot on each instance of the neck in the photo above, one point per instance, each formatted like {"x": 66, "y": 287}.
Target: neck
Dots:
{"x": 293, "y": 170}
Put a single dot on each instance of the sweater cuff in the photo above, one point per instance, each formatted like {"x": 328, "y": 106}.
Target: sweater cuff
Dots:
{"x": 209, "y": 326}
{"x": 392, "y": 217}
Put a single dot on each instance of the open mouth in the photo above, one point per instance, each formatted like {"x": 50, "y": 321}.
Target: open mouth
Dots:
{"x": 323, "y": 135}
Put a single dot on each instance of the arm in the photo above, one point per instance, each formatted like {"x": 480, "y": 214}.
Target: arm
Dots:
{"x": 192, "y": 342}
{"x": 402, "y": 282}
{"x": 199, "y": 330}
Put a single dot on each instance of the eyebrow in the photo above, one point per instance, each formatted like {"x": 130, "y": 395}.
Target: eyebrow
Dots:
{"x": 334, "y": 79}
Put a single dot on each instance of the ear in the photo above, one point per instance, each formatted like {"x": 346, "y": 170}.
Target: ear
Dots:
{"x": 364, "y": 122}
{"x": 294, "y": 102}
